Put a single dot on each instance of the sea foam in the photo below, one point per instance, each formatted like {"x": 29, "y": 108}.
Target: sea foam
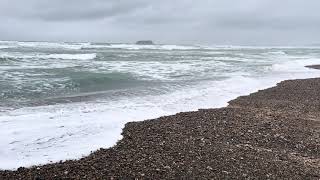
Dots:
{"x": 48, "y": 56}
{"x": 69, "y": 56}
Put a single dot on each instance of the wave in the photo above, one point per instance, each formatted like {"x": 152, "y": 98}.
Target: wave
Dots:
{"x": 275, "y": 53}
{"x": 49, "y": 56}
{"x": 96, "y": 82}
{"x": 6, "y": 46}
{"x": 88, "y": 45}
{"x": 52, "y": 45}
{"x": 295, "y": 66}
{"x": 150, "y": 47}
{"x": 69, "y": 56}
{"x": 42, "y": 45}
{"x": 189, "y": 47}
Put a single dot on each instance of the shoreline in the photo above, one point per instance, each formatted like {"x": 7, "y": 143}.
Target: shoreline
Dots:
{"x": 272, "y": 133}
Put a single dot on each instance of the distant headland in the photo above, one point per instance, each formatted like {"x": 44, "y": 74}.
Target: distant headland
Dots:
{"x": 145, "y": 42}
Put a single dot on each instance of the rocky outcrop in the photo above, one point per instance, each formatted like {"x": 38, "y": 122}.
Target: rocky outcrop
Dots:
{"x": 146, "y": 42}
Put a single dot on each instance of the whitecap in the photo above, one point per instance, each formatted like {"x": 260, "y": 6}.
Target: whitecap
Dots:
{"x": 49, "y": 56}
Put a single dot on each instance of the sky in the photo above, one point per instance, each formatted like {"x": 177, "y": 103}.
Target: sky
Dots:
{"x": 213, "y": 22}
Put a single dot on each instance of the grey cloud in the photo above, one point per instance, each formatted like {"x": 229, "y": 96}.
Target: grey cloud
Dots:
{"x": 70, "y": 10}
{"x": 166, "y": 21}
{"x": 263, "y": 23}
{"x": 82, "y": 10}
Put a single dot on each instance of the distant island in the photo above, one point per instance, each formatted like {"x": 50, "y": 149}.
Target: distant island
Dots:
{"x": 147, "y": 42}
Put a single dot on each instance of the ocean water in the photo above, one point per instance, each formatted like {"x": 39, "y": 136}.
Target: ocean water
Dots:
{"x": 61, "y": 101}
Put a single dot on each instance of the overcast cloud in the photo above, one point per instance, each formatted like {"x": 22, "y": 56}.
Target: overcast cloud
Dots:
{"x": 246, "y": 22}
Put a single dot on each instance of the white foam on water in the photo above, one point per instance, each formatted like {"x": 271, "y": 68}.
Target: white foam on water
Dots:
{"x": 176, "y": 47}
{"x": 48, "y": 56}
{"x": 294, "y": 65}
{"x": 38, "y": 135}
{"x": 276, "y": 53}
{"x": 5, "y": 46}
{"x": 242, "y": 47}
{"x": 162, "y": 70}
{"x": 52, "y": 45}
{"x": 87, "y": 45}
{"x": 69, "y": 56}
{"x": 152, "y": 47}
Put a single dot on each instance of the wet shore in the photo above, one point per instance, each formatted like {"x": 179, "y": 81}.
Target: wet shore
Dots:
{"x": 270, "y": 134}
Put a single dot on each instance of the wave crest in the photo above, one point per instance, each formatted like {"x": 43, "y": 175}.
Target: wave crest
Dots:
{"x": 50, "y": 56}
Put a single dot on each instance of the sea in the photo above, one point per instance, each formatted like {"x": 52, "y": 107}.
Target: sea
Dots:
{"x": 61, "y": 101}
